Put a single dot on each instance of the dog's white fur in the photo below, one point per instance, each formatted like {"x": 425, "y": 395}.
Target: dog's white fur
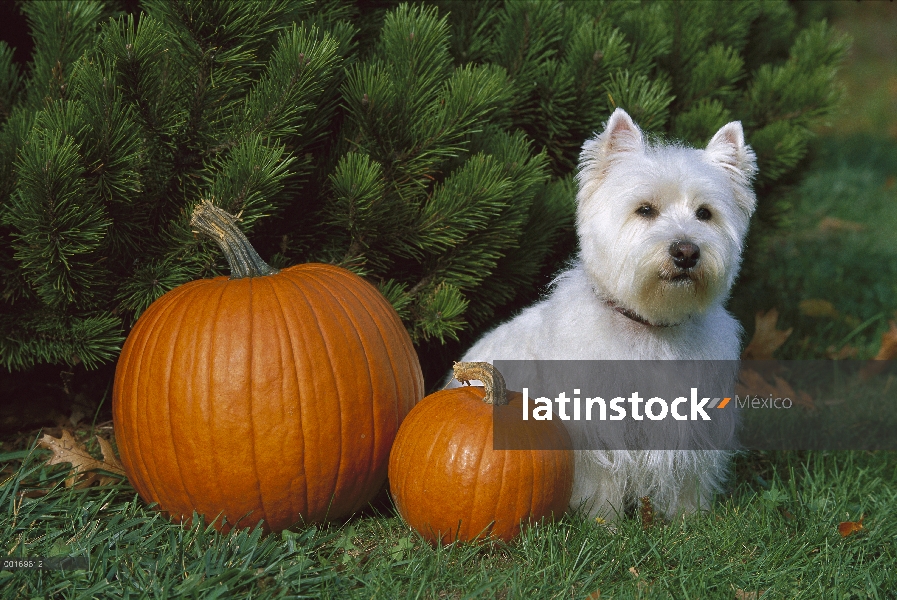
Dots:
{"x": 625, "y": 266}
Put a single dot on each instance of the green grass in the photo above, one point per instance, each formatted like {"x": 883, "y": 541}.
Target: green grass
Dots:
{"x": 776, "y": 532}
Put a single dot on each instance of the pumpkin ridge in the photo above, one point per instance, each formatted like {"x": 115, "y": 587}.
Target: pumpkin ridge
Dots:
{"x": 434, "y": 439}
{"x": 362, "y": 342}
{"x": 374, "y": 300}
{"x": 208, "y": 395}
{"x": 503, "y": 486}
{"x": 371, "y": 303}
{"x": 483, "y": 530}
{"x": 299, "y": 356}
{"x": 397, "y": 458}
{"x": 365, "y": 305}
{"x": 456, "y": 439}
{"x": 146, "y": 424}
{"x": 198, "y": 293}
{"x": 304, "y": 293}
{"x": 139, "y": 462}
{"x": 252, "y": 404}
{"x": 529, "y": 467}
{"x": 406, "y": 362}
{"x": 291, "y": 362}
{"x": 140, "y": 412}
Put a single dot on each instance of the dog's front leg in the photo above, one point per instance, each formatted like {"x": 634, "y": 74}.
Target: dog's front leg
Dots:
{"x": 598, "y": 489}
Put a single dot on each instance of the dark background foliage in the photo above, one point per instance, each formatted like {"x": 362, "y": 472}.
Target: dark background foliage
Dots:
{"x": 429, "y": 148}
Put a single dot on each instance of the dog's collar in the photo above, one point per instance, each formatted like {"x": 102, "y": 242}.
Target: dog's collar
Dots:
{"x": 634, "y": 316}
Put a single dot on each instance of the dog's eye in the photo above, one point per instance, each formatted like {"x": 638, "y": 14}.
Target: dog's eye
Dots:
{"x": 703, "y": 214}
{"x": 646, "y": 210}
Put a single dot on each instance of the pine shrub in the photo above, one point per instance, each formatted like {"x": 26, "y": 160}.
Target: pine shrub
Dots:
{"x": 429, "y": 147}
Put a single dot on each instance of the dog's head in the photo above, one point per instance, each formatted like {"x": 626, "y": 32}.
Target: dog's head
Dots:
{"x": 661, "y": 227}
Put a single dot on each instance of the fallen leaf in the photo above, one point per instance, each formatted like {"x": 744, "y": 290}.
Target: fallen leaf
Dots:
{"x": 814, "y": 307}
{"x": 634, "y": 572}
{"x": 767, "y": 339}
{"x": 594, "y": 595}
{"x": 751, "y": 383}
{"x": 743, "y": 595}
{"x": 109, "y": 457}
{"x": 834, "y": 224}
{"x": 804, "y": 399}
{"x": 33, "y": 493}
{"x": 112, "y": 464}
{"x": 67, "y": 450}
{"x": 848, "y": 527}
{"x": 887, "y": 351}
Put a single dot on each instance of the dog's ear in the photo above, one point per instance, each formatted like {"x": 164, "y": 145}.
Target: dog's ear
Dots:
{"x": 620, "y": 137}
{"x": 728, "y": 150}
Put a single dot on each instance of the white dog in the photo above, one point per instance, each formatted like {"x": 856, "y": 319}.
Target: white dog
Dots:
{"x": 661, "y": 230}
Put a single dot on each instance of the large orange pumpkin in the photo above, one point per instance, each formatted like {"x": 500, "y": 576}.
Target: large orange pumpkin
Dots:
{"x": 449, "y": 483}
{"x": 271, "y": 396}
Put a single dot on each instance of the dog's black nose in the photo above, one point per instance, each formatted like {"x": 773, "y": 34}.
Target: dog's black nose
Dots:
{"x": 685, "y": 254}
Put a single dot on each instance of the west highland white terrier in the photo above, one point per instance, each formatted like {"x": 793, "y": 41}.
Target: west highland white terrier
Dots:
{"x": 661, "y": 230}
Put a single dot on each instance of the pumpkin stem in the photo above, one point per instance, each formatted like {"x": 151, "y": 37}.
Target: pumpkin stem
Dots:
{"x": 496, "y": 392}
{"x": 221, "y": 226}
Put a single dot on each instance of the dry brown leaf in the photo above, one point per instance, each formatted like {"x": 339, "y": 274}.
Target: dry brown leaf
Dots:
{"x": 112, "y": 464}
{"x": 782, "y": 389}
{"x": 767, "y": 339}
{"x": 750, "y": 383}
{"x": 743, "y": 595}
{"x": 594, "y": 595}
{"x": 109, "y": 456}
{"x": 33, "y": 493}
{"x": 68, "y": 450}
{"x": 887, "y": 351}
{"x": 833, "y": 224}
{"x": 804, "y": 399}
{"x": 815, "y": 307}
{"x": 634, "y": 572}
{"x": 847, "y": 527}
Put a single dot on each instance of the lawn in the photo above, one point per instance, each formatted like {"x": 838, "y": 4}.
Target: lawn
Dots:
{"x": 830, "y": 270}
{"x": 776, "y": 533}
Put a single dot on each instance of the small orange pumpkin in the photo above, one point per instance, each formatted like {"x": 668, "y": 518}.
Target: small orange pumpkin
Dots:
{"x": 449, "y": 483}
{"x": 268, "y": 395}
